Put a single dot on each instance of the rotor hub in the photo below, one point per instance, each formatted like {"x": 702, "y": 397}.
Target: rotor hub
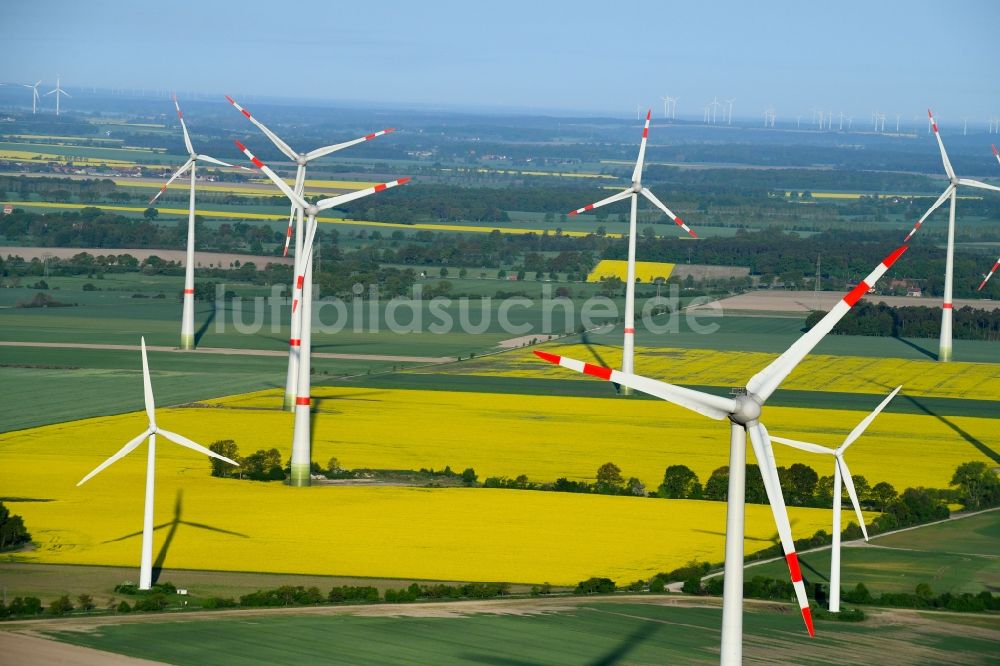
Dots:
{"x": 301, "y": 160}
{"x": 312, "y": 211}
{"x": 747, "y": 410}
{"x": 636, "y": 186}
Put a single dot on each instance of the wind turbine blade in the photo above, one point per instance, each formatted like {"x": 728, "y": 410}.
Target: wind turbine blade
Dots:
{"x": 712, "y": 406}
{"x": 944, "y": 154}
{"x": 659, "y": 204}
{"x": 275, "y": 178}
{"x": 637, "y": 172}
{"x": 177, "y": 174}
{"x": 300, "y": 186}
{"x": 803, "y": 446}
{"x": 122, "y": 452}
{"x": 48, "y": 93}
{"x": 184, "y": 441}
{"x": 988, "y": 276}
{"x": 64, "y": 92}
{"x": 333, "y": 202}
{"x": 212, "y": 160}
{"x": 975, "y": 183}
{"x": 996, "y": 153}
{"x": 852, "y": 493}
{"x": 187, "y": 139}
{"x": 865, "y": 422}
{"x": 941, "y": 199}
{"x": 765, "y": 460}
{"x": 624, "y": 194}
{"x": 147, "y": 387}
{"x": 765, "y": 382}
{"x": 326, "y": 150}
{"x": 275, "y": 139}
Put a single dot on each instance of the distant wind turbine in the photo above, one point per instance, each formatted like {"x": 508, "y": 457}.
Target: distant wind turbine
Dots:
{"x": 58, "y": 91}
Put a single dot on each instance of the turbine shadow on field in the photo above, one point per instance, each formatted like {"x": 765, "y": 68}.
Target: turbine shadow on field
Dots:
{"x": 200, "y": 333}
{"x": 642, "y": 634}
{"x": 585, "y": 339}
{"x": 968, "y": 437}
{"x": 926, "y": 352}
{"x": 819, "y": 574}
{"x": 173, "y": 525}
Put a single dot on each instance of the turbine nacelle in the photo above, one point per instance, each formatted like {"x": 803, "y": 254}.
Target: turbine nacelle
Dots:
{"x": 747, "y": 411}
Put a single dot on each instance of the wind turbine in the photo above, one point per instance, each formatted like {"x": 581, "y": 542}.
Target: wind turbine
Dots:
{"x": 744, "y": 413}
{"x": 58, "y": 91}
{"x": 730, "y": 102}
{"x": 950, "y": 192}
{"x": 986, "y": 278}
{"x": 187, "y": 312}
{"x": 146, "y": 565}
{"x": 34, "y": 95}
{"x": 301, "y": 437}
{"x": 841, "y": 477}
{"x": 295, "y": 216}
{"x": 632, "y": 193}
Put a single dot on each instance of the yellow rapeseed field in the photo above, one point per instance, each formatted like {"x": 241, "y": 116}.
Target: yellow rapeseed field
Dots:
{"x": 464, "y": 534}
{"x": 850, "y": 374}
{"x": 547, "y": 437}
{"x": 645, "y": 271}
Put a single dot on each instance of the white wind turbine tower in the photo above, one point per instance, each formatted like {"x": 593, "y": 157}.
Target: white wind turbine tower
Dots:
{"x": 841, "y": 477}
{"x": 950, "y": 192}
{"x": 301, "y": 436}
{"x": 730, "y": 102}
{"x": 146, "y": 565}
{"x": 986, "y": 278}
{"x": 34, "y": 95}
{"x": 632, "y": 193}
{"x": 295, "y": 217}
{"x": 58, "y": 91}
{"x": 669, "y": 107}
{"x": 187, "y": 311}
{"x": 744, "y": 413}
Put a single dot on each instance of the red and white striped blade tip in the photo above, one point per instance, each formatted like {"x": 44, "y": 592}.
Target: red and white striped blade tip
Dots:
{"x": 892, "y": 258}
{"x": 995, "y": 151}
{"x": 545, "y": 356}
{"x": 649, "y": 114}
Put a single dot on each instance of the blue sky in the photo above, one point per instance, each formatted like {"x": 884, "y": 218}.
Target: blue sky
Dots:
{"x": 582, "y": 56}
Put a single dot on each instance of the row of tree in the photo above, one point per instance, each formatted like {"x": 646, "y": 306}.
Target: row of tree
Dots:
{"x": 911, "y": 321}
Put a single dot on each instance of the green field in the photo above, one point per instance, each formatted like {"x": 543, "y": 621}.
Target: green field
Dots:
{"x": 955, "y": 556}
{"x": 596, "y": 632}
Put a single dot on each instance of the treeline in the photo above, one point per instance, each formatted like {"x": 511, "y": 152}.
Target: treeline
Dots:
{"x": 913, "y": 321}
{"x": 92, "y": 227}
{"x": 609, "y": 481}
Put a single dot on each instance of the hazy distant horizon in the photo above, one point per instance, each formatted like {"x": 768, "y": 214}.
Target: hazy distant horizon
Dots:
{"x": 558, "y": 58}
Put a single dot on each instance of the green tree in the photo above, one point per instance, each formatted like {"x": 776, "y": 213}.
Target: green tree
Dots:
{"x": 263, "y": 465}
{"x": 469, "y": 476}
{"x": 798, "y": 483}
{"x": 150, "y": 214}
{"x": 717, "y": 486}
{"x": 12, "y": 530}
{"x": 882, "y": 494}
{"x": 61, "y": 606}
{"x": 609, "y": 479}
{"x": 977, "y": 484}
{"x": 680, "y": 482}
{"x": 227, "y": 448}
{"x": 635, "y": 487}
{"x": 85, "y": 602}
